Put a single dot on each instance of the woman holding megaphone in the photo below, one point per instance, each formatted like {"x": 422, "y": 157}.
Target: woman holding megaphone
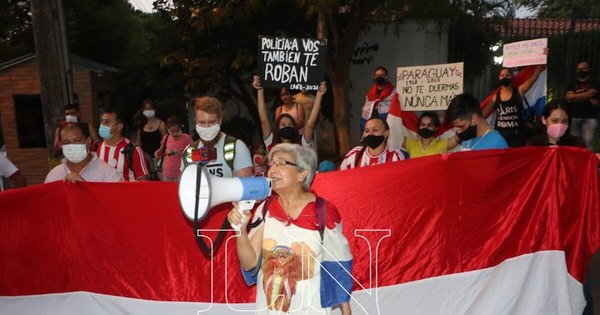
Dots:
{"x": 284, "y": 253}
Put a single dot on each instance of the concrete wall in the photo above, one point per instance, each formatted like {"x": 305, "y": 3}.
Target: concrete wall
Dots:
{"x": 414, "y": 45}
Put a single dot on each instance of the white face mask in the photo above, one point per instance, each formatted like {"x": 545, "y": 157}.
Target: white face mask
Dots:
{"x": 209, "y": 133}
{"x": 71, "y": 119}
{"x": 75, "y": 153}
{"x": 148, "y": 113}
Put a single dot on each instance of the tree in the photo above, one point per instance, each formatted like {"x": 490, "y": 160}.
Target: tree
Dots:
{"x": 563, "y": 9}
{"x": 16, "y": 34}
{"x": 219, "y": 40}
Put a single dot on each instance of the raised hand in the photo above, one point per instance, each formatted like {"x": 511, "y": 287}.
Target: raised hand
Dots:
{"x": 256, "y": 83}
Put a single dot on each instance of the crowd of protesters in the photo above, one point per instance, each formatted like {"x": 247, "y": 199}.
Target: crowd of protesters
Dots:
{"x": 159, "y": 150}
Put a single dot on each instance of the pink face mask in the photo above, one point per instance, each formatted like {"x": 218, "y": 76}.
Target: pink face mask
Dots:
{"x": 556, "y": 131}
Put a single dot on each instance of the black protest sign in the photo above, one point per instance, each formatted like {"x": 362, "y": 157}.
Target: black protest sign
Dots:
{"x": 295, "y": 63}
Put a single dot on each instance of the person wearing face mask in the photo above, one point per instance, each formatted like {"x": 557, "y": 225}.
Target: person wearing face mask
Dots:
{"x": 508, "y": 105}
{"x": 171, "y": 149}
{"x": 285, "y": 129}
{"x": 582, "y": 98}
{"x": 290, "y": 107}
{"x": 374, "y": 149}
{"x": 555, "y": 127}
{"x": 117, "y": 151}
{"x": 426, "y": 143}
{"x": 378, "y": 99}
{"x": 151, "y": 129}
{"x": 232, "y": 157}
{"x": 79, "y": 164}
{"x": 72, "y": 115}
{"x": 471, "y": 128}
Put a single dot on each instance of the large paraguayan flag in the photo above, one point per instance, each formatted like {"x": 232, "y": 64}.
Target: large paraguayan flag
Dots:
{"x": 428, "y": 236}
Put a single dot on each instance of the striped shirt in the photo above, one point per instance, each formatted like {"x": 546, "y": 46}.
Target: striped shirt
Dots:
{"x": 114, "y": 156}
{"x": 388, "y": 155}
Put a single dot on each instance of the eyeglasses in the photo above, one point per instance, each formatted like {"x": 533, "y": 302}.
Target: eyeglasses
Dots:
{"x": 281, "y": 163}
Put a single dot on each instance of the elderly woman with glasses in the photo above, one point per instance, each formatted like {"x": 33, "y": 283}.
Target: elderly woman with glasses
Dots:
{"x": 295, "y": 250}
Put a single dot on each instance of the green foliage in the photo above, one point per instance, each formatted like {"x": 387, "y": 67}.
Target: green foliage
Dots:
{"x": 472, "y": 31}
{"x": 563, "y": 9}
{"x": 16, "y": 34}
{"x": 111, "y": 32}
{"x": 102, "y": 30}
{"x": 219, "y": 39}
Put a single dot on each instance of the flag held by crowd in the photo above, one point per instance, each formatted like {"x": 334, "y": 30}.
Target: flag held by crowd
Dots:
{"x": 433, "y": 235}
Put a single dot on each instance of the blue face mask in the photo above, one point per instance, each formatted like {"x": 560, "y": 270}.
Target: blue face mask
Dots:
{"x": 104, "y": 132}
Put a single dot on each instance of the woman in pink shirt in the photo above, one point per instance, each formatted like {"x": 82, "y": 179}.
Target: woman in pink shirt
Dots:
{"x": 171, "y": 147}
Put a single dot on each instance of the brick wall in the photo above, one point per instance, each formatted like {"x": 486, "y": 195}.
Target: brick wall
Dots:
{"x": 23, "y": 78}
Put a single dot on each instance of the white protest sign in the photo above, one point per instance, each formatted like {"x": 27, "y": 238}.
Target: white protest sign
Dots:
{"x": 429, "y": 87}
{"x": 525, "y": 53}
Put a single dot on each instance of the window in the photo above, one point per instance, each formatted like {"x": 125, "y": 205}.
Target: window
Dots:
{"x": 30, "y": 121}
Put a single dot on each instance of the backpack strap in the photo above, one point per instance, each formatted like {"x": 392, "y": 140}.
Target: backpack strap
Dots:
{"x": 229, "y": 152}
{"x": 96, "y": 145}
{"x": 128, "y": 152}
{"x": 359, "y": 156}
{"x": 321, "y": 206}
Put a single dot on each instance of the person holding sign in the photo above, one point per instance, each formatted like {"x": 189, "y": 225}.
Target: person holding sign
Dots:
{"x": 286, "y": 128}
{"x": 290, "y": 107}
{"x": 508, "y": 104}
{"x": 378, "y": 99}
{"x": 426, "y": 143}
{"x": 374, "y": 150}
{"x": 473, "y": 130}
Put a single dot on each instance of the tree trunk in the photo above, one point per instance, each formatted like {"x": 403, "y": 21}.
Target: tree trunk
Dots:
{"x": 50, "y": 45}
{"x": 340, "y": 116}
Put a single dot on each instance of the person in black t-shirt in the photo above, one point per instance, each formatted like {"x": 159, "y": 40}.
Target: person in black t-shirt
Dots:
{"x": 508, "y": 105}
{"x": 582, "y": 96}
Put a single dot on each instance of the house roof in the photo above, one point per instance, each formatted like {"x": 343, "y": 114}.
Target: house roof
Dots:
{"x": 75, "y": 59}
{"x": 545, "y": 27}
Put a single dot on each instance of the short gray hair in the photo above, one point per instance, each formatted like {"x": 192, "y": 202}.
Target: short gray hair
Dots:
{"x": 305, "y": 159}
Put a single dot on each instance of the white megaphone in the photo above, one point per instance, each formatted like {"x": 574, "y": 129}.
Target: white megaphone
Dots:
{"x": 199, "y": 188}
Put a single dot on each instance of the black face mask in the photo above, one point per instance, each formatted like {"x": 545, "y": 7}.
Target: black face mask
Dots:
{"x": 287, "y": 133}
{"x": 583, "y": 74}
{"x": 426, "y": 133}
{"x": 468, "y": 133}
{"x": 373, "y": 141}
{"x": 505, "y": 81}
{"x": 380, "y": 80}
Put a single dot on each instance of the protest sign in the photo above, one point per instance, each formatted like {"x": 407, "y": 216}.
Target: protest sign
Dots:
{"x": 295, "y": 63}
{"x": 429, "y": 87}
{"x": 525, "y": 53}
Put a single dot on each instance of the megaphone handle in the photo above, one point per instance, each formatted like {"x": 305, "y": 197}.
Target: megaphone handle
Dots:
{"x": 243, "y": 205}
